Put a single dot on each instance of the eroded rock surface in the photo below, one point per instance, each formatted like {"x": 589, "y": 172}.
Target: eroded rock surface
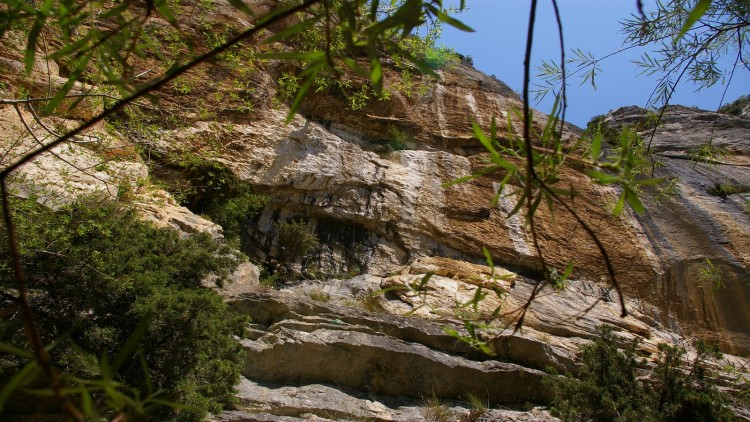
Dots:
{"x": 327, "y": 349}
{"x": 704, "y": 223}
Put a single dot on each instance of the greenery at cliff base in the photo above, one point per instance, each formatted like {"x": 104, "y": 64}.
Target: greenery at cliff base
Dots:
{"x": 610, "y": 387}
{"x": 120, "y": 302}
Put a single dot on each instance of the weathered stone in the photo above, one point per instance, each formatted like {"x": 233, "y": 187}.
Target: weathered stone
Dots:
{"x": 315, "y": 343}
{"x": 262, "y": 402}
{"x": 391, "y": 217}
{"x": 700, "y": 225}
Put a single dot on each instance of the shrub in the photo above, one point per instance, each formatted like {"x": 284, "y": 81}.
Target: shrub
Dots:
{"x": 98, "y": 273}
{"x": 607, "y": 389}
{"x": 438, "y": 57}
{"x": 735, "y": 107}
{"x": 399, "y": 140}
{"x": 296, "y": 239}
{"x": 683, "y": 392}
{"x": 212, "y": 189}
{"x": 723, "y": 190}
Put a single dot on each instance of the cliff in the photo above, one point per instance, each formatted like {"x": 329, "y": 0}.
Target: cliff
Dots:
{"x": 385, "y": 217}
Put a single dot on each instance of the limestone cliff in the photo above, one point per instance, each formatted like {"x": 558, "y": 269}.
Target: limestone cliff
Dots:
{"x": 385, "y": 218}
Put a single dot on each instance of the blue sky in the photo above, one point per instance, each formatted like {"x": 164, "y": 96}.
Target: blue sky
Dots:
{"x": 497, "y": 48}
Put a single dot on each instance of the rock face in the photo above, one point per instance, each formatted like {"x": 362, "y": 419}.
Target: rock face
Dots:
{"x": 706, "y": 222}
{"x": 328, "y": 344}
{"x": 322, "y": 403}
{"x": 376, "y": 210}
{"x": 327, "y": 349}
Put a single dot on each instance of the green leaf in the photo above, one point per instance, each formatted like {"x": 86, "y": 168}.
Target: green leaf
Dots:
{"x": 488, "y": 257}
{"x": 376, "y": 74}
{"x": 650, "y": 182}
{"x": 87, "y": 403}
{"x": 30, "y": 54}
{"x": 293, "y": 55}
{"x": 620, "y": 205}
{"x": 114, "y": 12}
{"x": 163, "y": 7}
{"x": 602, "y": 178}
{"x": 146, "y": 373}
{"x": 486, "y": 142}
{"x": 596, "y": 146}
{"x": 131, "y": 344}
{"x": 302, "y": 93}
{"x": 63, "y": 91}
{"x": 698, "y": 11}
{"x": 46, "y": 7}
{"x": 389, "y": 289}
{"x": 568, "y": 271}
{"x": 501, "y": 188}
{"x": 287, "y": 33}
{"x": 634, "y": 202}
{"x": 478, "y": 174}
{"x": 22, "y": 378}
{"x": 14, "y": 350}
{"x": 442, "y": 16}
{"x": 423, "y": 282}
{"x": 242, "y": 7}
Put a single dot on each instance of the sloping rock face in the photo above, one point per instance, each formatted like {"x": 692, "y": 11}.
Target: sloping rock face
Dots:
{"x": 330, "y": 344}
{"x": 376, "y": 210}
{"x": 385, "y": 219}
{"x": 705, "y": 223}
{"x": 337, "y": 349}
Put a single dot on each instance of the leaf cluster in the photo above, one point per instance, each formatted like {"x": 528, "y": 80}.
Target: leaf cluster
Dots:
{"x": 98, "y": 275}
{"x": 608, "y": 386}
{"x": 690, "y": 36}
{"x": 295, "y": 239}
{"x": 736, "y": 107}
{"x": 336, "y": 37}
{"x": 211, "y": 189}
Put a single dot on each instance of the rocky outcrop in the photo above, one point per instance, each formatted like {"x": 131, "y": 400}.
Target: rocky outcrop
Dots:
{"x": 386, "y": 220}
{"x": 701, "y": 232}
{"x": 301, "y": 343}
{"x": 340, "y": 349}
{"x": 376, "y": 210}
{"x": 263, "y": 402}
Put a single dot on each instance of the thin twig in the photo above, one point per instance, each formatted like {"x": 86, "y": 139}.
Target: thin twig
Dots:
{"x": 39, "y": 141}
{"x": 531, "y": 172}
{"x": 564, "y": 90}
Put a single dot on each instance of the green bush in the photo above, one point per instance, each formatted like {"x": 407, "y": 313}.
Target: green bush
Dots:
{"x": 97, "y": 273}
{"x": 723, "y": 190}
{"x": 213, "y": 190}
{"x": 296, "y": 239}
{"x": 607, "y": 389}
{"x": 735, "y": 107}
{"x": 399, "y": 140}
{"x": 438, "y": 57}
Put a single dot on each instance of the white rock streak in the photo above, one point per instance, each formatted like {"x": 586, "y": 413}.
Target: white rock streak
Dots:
{"x": 442, "y": 124}
{"x": 472, "y": 102}
{"x": 515, "y": 222}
